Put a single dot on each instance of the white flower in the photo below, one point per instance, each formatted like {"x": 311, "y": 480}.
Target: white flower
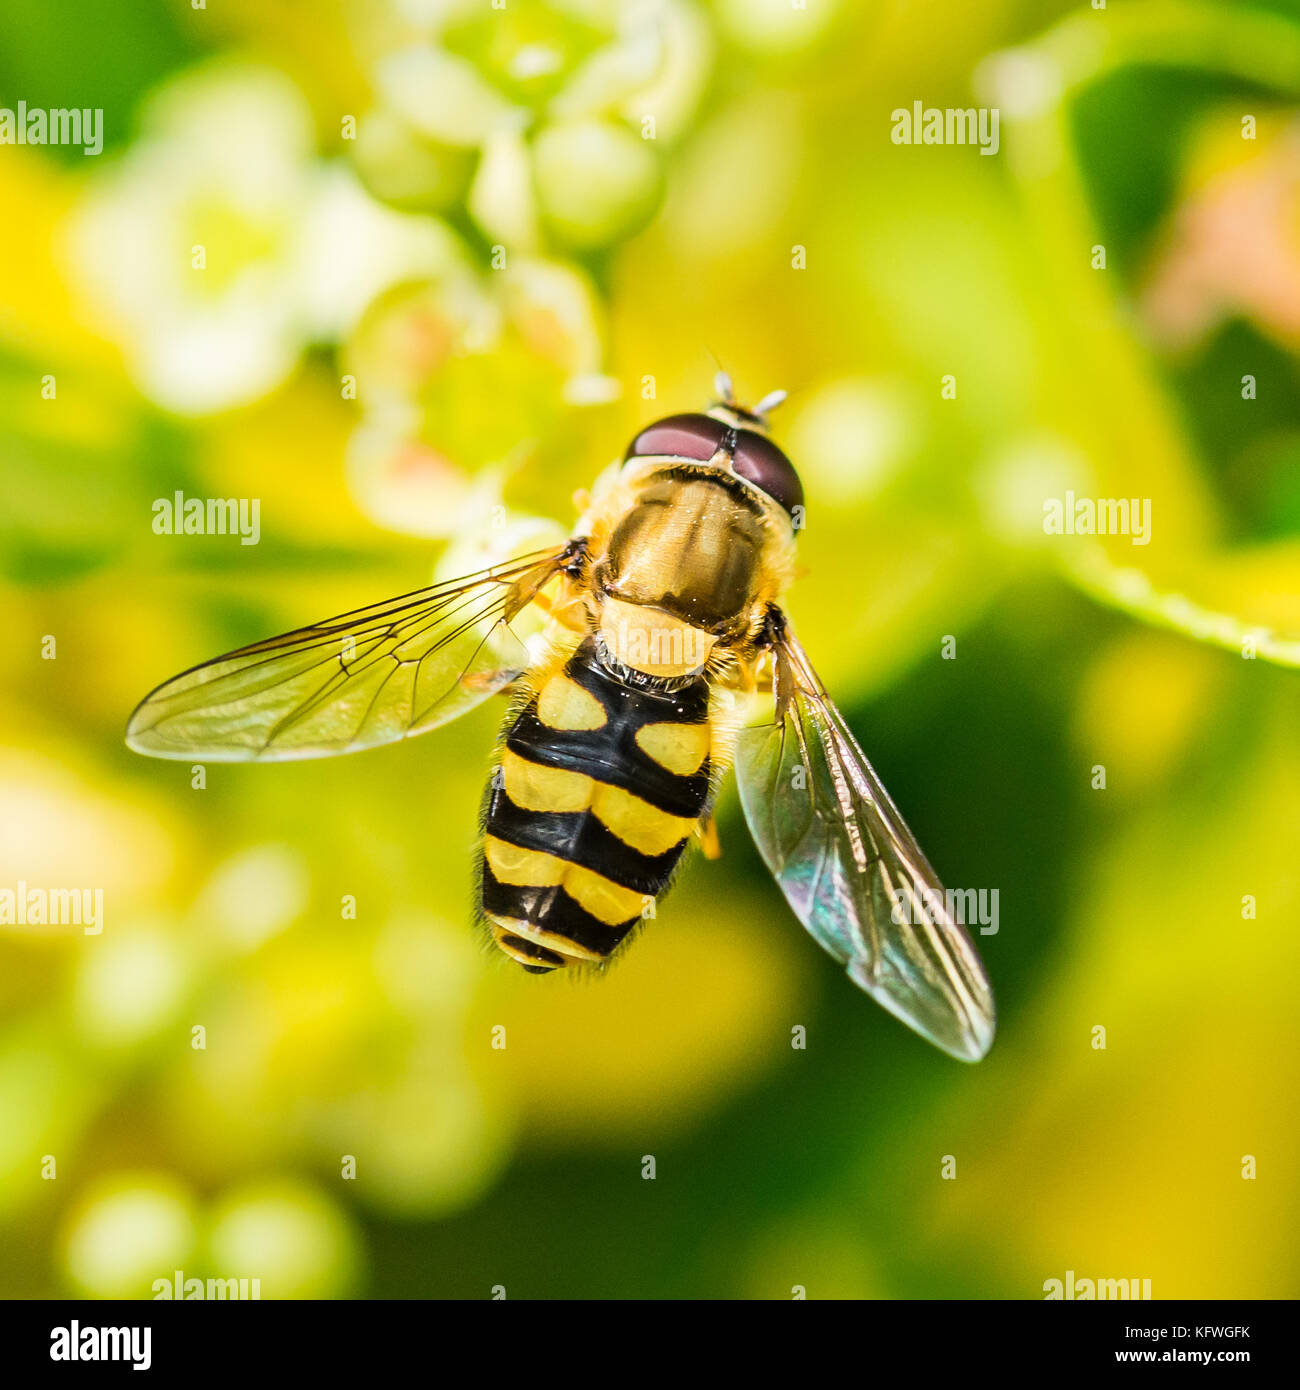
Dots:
{"x": 219, "y": 246}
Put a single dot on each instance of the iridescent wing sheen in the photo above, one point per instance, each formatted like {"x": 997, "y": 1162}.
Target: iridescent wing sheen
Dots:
{"x": 850, "y": 868}
{"x": 387, "y": 672}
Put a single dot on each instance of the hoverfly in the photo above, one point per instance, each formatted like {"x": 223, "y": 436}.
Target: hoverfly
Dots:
{"x": 662, "y": 624}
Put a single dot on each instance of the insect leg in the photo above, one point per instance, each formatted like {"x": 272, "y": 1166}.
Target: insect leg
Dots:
{"x": 710, "y": 843}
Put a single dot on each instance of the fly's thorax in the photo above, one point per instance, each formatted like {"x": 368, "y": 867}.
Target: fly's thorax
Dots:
{"x": 689, "y": 545}
{"x": 686, "y": 557}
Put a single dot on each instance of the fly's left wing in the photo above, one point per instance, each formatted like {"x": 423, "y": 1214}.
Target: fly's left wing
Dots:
{"x": 849, "y": 867}
{"x": 378, "y": 674}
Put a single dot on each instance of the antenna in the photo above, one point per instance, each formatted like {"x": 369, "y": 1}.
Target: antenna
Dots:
{"x": 769, "y": 403}
{"x": 722, "y": 385}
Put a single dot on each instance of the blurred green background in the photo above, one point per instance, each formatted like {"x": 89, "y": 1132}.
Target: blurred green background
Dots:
{"x": 452, "y": 257}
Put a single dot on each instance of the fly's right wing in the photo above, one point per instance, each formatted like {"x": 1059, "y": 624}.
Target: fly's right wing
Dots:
{"x": 850, "y": 868}
{"x": 369, "y": 677}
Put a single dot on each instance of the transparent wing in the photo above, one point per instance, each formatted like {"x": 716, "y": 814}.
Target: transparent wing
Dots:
{"x": 378, "y": 674}
{"x": 850, "y": 868}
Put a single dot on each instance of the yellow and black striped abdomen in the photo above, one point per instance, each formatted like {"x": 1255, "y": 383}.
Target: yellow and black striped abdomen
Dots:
{"x": 600, "y": 784}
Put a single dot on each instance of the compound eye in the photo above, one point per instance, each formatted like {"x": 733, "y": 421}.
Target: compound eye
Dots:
{"x": 760, "y": 462}
{"x": 679, "y": 436}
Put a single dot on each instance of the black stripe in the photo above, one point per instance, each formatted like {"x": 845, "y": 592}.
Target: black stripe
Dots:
{"x": 579, "y": 837}
{"x": 688, "y": 704}
{"x": 531, "y": 949}
{"x": 610, "y": 755}
{"x": 552, "y": 910}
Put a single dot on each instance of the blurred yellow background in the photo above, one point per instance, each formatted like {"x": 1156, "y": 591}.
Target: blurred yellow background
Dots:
{"x": 402, "y": 270}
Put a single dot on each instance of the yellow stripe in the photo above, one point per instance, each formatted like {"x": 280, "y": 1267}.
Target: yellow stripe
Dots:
{"x": 636, "y": 822}
{"x": 527, "y": 868}
{"x": 561, "y": 945}
{"x": 607, "y": 901}
{"x": 536, "y": 788}
{"x": 681, "y": 748}
{"x": 564, "y": 704}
